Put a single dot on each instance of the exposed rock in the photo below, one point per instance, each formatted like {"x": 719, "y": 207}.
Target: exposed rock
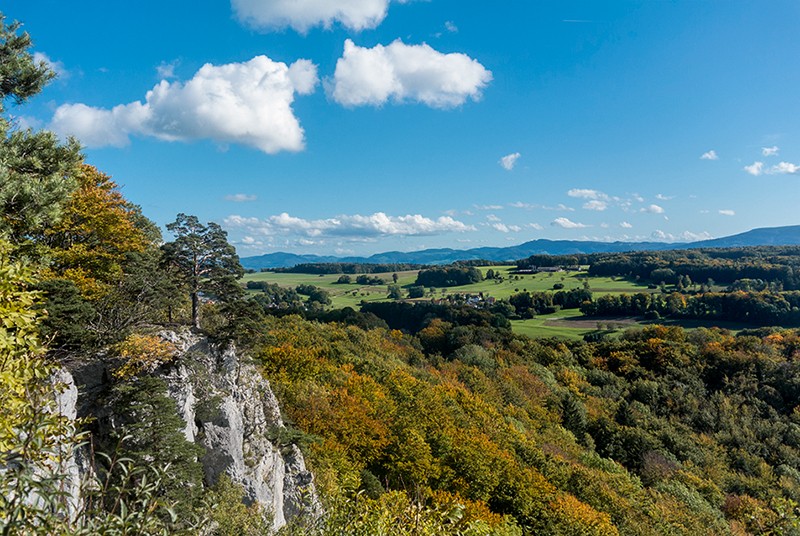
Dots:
{"x": 230, "y": 410}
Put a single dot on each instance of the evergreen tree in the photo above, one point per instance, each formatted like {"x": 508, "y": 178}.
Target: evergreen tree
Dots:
{"x": 150, "y": 433}
{"x": 206, "y": 261}
{"x": 36, "y": 170}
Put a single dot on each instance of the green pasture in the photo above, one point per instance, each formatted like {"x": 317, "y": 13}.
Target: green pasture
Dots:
{"x": 342, "y": 295}
{"x": 351, "y": 295}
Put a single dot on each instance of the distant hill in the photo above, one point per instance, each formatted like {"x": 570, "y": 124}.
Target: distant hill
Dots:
{"x": 768, "y": 236}
{"x": 765, "y": 236}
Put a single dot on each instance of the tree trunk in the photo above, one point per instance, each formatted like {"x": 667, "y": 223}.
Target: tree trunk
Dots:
{"x": 195, "y": 310}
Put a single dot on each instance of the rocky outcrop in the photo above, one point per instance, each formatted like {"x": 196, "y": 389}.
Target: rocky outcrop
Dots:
{"x": 230, "y": 410}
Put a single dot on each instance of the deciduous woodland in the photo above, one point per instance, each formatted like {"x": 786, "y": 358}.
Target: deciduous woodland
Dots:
{"x": 423, "y": 417}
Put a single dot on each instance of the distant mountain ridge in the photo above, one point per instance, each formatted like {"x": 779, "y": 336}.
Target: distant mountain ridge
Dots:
{"x": 766, "y": 236}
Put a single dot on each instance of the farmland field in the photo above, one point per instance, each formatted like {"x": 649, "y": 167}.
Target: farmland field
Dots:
{"x": 568, "y": 324}
{"x": 555, "y": 325}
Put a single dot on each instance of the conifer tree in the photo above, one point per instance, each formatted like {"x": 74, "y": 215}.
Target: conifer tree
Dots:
{"x": 206, "y": 261}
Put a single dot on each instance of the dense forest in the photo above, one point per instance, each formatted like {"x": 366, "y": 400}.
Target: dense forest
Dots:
{"x": 345, "y": 268}
{"x": 421, "y": 419}
{"x": 778, "y": 264}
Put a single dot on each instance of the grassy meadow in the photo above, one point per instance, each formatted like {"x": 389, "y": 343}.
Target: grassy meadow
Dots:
{"x": 565, "y": 324}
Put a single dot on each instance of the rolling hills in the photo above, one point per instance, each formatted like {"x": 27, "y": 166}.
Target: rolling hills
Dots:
{"x": 767, "y": 236}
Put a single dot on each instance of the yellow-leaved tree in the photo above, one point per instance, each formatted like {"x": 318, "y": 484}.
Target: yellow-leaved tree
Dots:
{"x": 34, "y": 439}
{"x": 98, "y": 228}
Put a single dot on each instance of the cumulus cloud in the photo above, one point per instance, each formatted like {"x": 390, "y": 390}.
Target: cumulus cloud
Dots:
{"x": 535, "y": 226}
{"x": 488, "y": 207}
{"x": 450, "y": 26}
{"x": 492, "y": 217}
{"x": 662, "y": 197}
{"x": 595, "y": 204}
{"x": 653, "y": 209}
{"x": 533, "y": 206}
{"x": 626, "y": 225}
{"x": 756, "y": 168}
{"x": 782, "y": 168}
{"x": 709, "y": 155}
{"x": 240, "y": 198}
{"x": 509, "y": 160}
{"x": 301, "y": 15}
{"x": 244, "y": 103}
{"x": 503, "y": 228}
{"x": 566, "y": 223}
{"x": 55, "y": 66}
{"x": 584, "y": 193}
{"x": 686, "y": 236}
{"x": 770, "y": 151}
{"x": 166, "y": 70}
{"x": 727, "y": 212}
{"x": 354, "y": 226}
{"x": 405, "y": 73}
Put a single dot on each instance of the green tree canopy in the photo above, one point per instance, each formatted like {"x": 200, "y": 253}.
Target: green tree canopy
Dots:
{"x": 36, "y": 170}
{"x": 206, "y": 261}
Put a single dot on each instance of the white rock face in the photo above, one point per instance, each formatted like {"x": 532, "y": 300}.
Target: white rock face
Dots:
{"x": 230, "y": 410}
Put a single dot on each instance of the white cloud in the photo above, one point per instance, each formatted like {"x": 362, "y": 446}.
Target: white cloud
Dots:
{"x": 756, "y": 168}
{"x": 782, "y": 168}
{"x": 509, "y": 160}
{"x": 166, "y": 70}
{"x": 492, "y": 217}
{"x": 595, "y": 204}
{"x": 770, "y": 151}
{"x": 653, "y": 209}
{"x": 488, "y": 207}
{"x": 535, "y": 226}
{"x": 450, "y": 26}
{"x": 686, "y": 236}
{"x": 405, "y": 73}
{"x": 727, "y": 212}
{"x": 353, "y": 227}
{"x": 626, "y": 225}
{"x": 240, "y": 198}
{"x": 55, "y": 66}
{"x": 658, "y": 234}
{"x": 689, "y": 236}
{"x": 709, "y": 155}
{"x": 662, "y": 197}
{"x": 567, "y": 224}
{"x": 302, "y": 15}
{"x": 532, "y": 206}
{"x": 584, "y": 193}
{"x": 503, "y": 228}
{"x": 244, "y": 103}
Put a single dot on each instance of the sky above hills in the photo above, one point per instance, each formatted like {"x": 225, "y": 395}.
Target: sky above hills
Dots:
{"x": 358, "y": 126}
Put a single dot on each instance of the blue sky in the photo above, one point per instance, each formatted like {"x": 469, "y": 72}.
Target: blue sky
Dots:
{"x": 360, "y": 126}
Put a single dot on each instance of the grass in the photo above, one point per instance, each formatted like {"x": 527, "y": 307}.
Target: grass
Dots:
{"x": 555, "y": 325}
{"x": 342, "y": 295}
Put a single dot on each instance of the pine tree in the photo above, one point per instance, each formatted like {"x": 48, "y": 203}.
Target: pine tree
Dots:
{"x": 206, "y": 261}
{"x": 36, "y": 170}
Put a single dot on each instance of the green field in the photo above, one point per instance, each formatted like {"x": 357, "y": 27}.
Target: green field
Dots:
{"x": 568, "y": 324}
{"x": 351, "y": 295}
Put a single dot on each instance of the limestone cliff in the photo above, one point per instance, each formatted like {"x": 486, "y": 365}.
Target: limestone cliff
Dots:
{"x": 230, "y": 410}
